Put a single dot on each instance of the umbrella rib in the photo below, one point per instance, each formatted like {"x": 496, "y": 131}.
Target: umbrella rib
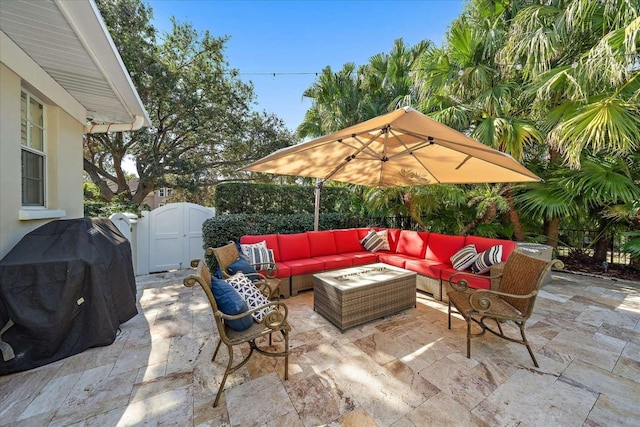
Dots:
{"x": 452, "y": 145}
{"x": 352, "y": 156}
{"x": 409, "y": 151}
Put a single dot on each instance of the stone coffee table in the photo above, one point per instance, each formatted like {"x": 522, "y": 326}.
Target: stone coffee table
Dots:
{"x": 352, "y": 296}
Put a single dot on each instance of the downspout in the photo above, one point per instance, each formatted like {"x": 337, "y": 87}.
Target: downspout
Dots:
{"x": 115, "y": 127}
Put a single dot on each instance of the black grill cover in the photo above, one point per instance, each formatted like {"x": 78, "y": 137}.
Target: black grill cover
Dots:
{"x": 67, "y": 286}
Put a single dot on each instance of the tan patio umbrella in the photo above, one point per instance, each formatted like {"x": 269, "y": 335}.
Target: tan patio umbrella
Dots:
{"x": 401, "y": 148}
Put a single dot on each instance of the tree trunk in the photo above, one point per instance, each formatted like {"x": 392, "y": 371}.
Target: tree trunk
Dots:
{"x": 144, "y": 188}
{"x": 601, "y": 247}
{"x": 514, "y": 218}
{"x": 552, "y": 231}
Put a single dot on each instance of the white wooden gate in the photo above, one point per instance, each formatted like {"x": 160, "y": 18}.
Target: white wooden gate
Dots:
{"x": 175, "y": 235}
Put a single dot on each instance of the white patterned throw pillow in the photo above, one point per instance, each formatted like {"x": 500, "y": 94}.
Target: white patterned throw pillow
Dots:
{"x": 376, "y": 241}
{"x": 463, "y": 259}
{"x": 486, "y": 259}
{"x": 258, "y": 253}
{"x": 250, "y": 293}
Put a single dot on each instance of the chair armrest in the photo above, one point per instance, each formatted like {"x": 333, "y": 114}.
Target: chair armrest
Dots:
{"x": 270, "y": 269}
{"x": 462, "y": 285}
{"x": 480, "y": 299}
{"x": 274, "y": 318}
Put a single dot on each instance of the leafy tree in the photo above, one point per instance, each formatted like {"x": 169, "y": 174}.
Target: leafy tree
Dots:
{"x": 203, "y": 129}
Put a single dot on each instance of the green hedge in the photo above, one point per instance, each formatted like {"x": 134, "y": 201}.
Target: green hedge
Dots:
{"x": 265, "y": 199}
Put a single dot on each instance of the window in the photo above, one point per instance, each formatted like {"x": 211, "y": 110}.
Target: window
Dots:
{"x": 33, "y": 155}
{"x": 165, "y": 192}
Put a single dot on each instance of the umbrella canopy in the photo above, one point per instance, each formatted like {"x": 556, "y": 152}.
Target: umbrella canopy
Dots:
{"x": 401, "y": 148}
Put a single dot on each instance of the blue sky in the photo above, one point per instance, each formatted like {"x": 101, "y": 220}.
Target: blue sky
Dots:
{"x": 300, "y": 38}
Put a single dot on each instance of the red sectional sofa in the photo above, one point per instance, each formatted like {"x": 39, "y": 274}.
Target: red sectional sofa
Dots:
{"x": 301, "y": 255}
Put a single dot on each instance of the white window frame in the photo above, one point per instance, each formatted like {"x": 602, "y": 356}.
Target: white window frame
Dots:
{"x": 30, "y": 125}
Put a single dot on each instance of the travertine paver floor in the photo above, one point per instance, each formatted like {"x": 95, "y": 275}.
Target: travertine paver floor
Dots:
{"x": 405, "y": 370}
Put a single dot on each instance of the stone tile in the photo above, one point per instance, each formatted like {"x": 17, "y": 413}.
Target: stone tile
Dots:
{"x": 290, "y": 419}
{"x": 94, "y": 393}
{"x": 319, "y": 399}
{"x": 628, "y": 368}
{"x": 51, "y": 396}
{"x": 608, "y": 412}
{"x": 539, "y": 399}
{"x": 381, "y": 395}
{"x": 617, "y": 388}
{"x": 311, "y": 359}
{"x": 596, "y": 349}
{"x": 464, "y": 380}
{"x": 172, "y": 408}
{"x": 597, "y": 316}
{"x": 258, "y": 402}
{"x": 18, "y": 390}
{"x": 357, "y": 418}
{"x": 441, "y": 410}
{"x": 150, "y": 388}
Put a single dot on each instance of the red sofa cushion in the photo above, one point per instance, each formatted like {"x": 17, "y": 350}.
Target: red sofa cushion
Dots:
{"x": 284, "y": 271}
{"x": 347, "y": 241}
{"x": 412, "y": 243}
{"x": 333, "y": 262}
{"x": 484, "y": 243}
{"x": 362, "y": 232}
{"x": 271, "y": 239}
{"x": 441, "y": 247}
{"x": 293, "y": 246}
{"x": 321, "y": 243}
{"x": 362, "y": 258}
{"x": 475, "y": 281}
{"x": 305, "y": 266}
{"x": 394, "y": 259}
{"x": 426, "y": 267}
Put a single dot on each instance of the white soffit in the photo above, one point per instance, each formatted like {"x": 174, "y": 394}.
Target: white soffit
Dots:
{"x": 69, "y": 40}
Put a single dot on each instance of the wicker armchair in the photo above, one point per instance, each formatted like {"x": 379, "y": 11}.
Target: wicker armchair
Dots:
{"x": 274, "y": 321}
{"x": 268, "y": 283}
{"x": 519, "y": 284}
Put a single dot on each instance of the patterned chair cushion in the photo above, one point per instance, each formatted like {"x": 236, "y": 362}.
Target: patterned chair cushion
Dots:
{"x": 463, "y": 259}
{"x": 250, "y": 293}
{"x": 486, "y": 259}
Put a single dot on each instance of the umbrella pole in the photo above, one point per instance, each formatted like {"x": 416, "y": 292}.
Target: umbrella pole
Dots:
{"x": 316, "y": 215}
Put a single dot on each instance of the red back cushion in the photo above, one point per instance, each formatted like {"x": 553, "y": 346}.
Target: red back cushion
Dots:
{"x": 293, "y": 246}
{"x": 271, "y": 239}
{"x": 484, "y": 243}
{"x": 347, "y": 241}
{"x": 362, "y": 232}
{"x": 441, "y": 247}
{"x": 321, "y": 243}
{"x": 412, "y": 243}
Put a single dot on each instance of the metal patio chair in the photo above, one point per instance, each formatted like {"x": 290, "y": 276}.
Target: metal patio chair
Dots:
{"x": 274, "y": 321}
{"x": 520, "y": 282}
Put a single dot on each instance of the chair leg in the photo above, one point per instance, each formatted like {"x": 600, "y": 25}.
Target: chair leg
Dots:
{"x": 286, "y": 354}
{"x": 469, "y": 338}
{"x": 526, "y": 343}
{"x": 224, "y": 377}
{"x": 215, "y": 353}
{"x": 449, "y": 314}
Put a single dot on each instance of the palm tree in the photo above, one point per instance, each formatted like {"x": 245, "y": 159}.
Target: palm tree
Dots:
{"x": 336, "y": 102}
{"x": 463, "y": 86}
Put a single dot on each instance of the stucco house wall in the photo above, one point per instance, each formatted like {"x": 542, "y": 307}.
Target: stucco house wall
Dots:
{"x": 63, "y": 186}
